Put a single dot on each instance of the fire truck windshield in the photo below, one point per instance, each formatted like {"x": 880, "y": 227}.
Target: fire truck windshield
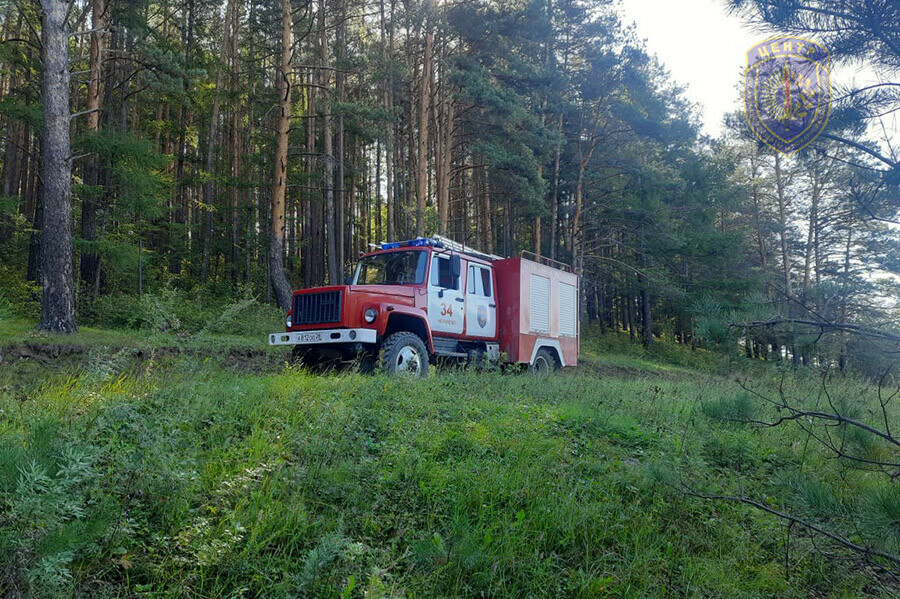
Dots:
{"x": 392, "y": 268}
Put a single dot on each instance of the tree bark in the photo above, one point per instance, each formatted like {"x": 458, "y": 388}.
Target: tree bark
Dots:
{"x": 58, "y": 304}
{"x": 277, "y": 276}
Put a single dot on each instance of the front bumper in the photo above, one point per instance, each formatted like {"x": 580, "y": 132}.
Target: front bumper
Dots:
{"x": 320, "y": 336}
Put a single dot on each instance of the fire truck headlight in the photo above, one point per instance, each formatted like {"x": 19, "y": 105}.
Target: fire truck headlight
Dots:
{"x": 288, "y": 321}
{"x": 370, "y": 315}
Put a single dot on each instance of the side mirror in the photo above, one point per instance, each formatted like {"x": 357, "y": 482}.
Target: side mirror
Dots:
{"x": 455, "y": 266}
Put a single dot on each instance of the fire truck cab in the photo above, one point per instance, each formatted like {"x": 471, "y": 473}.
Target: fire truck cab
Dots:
{"x": 410, "y": 303}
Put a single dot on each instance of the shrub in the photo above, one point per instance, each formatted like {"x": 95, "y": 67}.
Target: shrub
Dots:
{"x": 244, "y": 317}
{"x": 112, "y": 311}
{"x": 158, "y": 312}
{"x": 18, "y": 297}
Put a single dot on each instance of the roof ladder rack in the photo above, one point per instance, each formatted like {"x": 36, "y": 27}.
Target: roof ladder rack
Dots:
{"x": 464, "y": 249}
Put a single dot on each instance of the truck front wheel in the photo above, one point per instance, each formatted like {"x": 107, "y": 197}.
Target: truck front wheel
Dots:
{"x": 404, "y": 353}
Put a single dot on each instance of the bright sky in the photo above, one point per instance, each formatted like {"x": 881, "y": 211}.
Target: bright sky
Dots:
{"x": 704, "y": 48}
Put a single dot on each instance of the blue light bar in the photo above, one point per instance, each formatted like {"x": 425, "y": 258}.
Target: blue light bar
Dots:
{"x": 417, "y": 242}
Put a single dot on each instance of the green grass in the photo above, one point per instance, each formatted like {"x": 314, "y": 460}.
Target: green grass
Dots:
{"x": 178, "y": 476}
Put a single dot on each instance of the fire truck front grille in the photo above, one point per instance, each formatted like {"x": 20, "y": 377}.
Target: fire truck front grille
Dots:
{"x": 317, "y": 308}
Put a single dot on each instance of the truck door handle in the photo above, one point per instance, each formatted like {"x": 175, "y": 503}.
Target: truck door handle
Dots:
{"x": 459, "y": 299}
{"x": 492, "y": 305}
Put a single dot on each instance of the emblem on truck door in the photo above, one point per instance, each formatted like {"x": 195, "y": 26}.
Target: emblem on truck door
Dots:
{"x": 482, "y": 316}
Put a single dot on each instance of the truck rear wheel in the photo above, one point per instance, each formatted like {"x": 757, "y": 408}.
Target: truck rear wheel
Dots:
{"x": 404, "y": 353}
{"x": 544, "y": 362}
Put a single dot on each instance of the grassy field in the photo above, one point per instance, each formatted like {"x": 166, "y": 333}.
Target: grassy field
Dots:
{"x": 177, "y": 474}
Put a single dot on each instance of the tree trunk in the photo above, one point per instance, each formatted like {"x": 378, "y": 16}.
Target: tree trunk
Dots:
{"x": 379, "y": 233}
{"x": 208, "y": 199}
{"x": 279, "y": 183}
{"x": 576, "y": 236}
{"x": 446, "y": 151}
{"x": 235, "y": 145}
{"x": 90, "y": 260}
{"x": 391, "y": 150}
{"x": 422, "y": 157}
{"x": 554, "y": 201}
{"x": 842, "y": 360}
{"x": 308, "y": 242}
{"x": 783, "y": 224}
{"x": 339, "y": 220}
{"x": 179, "y": 241}
{"x": 647, "y": 330}
{"x": 812, "y": 234}
{"x": 328, "y": 162}
{"x": 58, "y": 304}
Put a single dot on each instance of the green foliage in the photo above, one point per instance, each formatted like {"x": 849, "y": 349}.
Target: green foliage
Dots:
{"x": 135, "y": 171}
{"x": 18, "y": 297}
{"x": 30, "y": 113}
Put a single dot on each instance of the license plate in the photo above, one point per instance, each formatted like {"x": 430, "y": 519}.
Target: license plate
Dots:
{"x": 310, "y": 337}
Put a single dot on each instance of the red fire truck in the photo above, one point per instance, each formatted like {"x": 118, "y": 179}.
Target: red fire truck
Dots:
{"x": 412, "y": 302}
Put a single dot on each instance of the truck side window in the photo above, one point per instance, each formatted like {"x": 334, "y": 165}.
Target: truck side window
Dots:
{"x": 479, "y": 281}
{"x": 440, "y": 274}
{"x": 486, "y": 282}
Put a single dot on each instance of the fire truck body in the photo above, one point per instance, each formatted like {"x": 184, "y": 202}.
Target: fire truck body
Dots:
{"x": 543, "y": 311}
{"x": 432, "y": 297}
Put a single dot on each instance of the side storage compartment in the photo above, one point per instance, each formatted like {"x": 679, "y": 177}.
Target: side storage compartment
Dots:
{"x": 538, "y": 308}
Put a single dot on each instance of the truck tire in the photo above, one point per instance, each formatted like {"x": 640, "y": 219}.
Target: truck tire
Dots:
{"x": 544, "y": 362}
{"x": 365, "y": 362}
{"x": 404, "y": 353}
